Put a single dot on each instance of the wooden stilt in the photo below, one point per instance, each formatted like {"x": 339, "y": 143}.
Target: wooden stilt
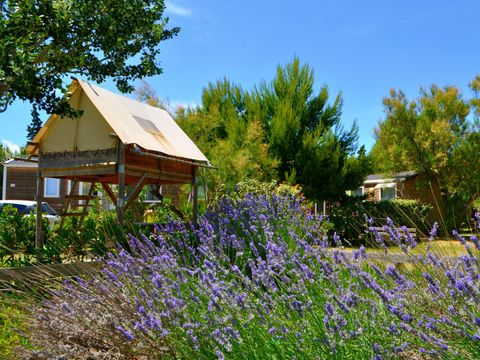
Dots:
{"x": 110, "y": 193}
{"x": 195, "y": 192}
{"x": 38, "y": 229}
{"x": 121, "y": 181}
{"x": 132, "y": 195}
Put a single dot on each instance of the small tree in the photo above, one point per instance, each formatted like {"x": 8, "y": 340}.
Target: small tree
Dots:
{"x": 433, "y": 135}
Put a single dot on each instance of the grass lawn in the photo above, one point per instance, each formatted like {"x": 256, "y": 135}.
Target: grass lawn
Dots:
{"x": 438, "y": 247}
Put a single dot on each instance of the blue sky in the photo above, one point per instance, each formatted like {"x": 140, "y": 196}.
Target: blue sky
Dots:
{"x": 359, "y": 48}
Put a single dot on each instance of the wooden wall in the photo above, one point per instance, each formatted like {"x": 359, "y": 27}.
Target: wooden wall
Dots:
{"x": 22, "y": 185}
{"x": 419, "y": 188}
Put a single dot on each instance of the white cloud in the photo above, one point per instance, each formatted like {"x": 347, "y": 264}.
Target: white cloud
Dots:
{"x": 177, "y": 9}
{"x": 174, "y": 104}
{"x": 12, "y": 147}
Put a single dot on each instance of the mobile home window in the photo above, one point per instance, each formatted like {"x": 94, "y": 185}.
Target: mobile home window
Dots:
{"x": 52, "y": 187}
{"x": 387, "y": 193}
{"x": 358, "y": 191}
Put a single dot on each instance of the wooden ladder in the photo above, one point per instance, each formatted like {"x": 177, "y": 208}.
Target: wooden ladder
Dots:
{"x": 85, "y": 203}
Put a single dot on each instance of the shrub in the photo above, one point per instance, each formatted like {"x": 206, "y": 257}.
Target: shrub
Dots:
{"x": 256, "y": 187}
{"x": 12, "y": 327}
{"x": 254, "y": 279}
{"x": 94, "y": 237}
{"x": 160, "y": 212}
{"x": 17, "y": 236}
{"x": 349, "y": 216}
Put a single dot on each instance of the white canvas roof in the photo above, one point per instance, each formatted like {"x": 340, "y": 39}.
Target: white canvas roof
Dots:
{"x": 137, "y": 123}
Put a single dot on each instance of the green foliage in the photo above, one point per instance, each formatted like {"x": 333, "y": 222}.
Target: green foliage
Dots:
{"x": 304, "y": 132}
{"x": 35, "y": 124}
{"x": 17, "y": 236}
{"x": 12, "y": 326}
{"x": 160, "y": 213}
{"x": 43, "y": 41}
{"x": 98, "y": 234}
{"x": 280, "y": 130}
{"x": 256, "y": 187}
{"x": 229, "y": 135}
{"x": 433, "y": 135}
{"x": 348, "y": 216}
{"x": 4, "y": 155}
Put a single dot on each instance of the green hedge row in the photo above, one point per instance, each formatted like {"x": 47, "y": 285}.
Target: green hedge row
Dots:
{"x": 349, "y": 216}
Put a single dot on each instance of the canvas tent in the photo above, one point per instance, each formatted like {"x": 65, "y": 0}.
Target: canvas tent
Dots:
{"x": 116, "y": 140}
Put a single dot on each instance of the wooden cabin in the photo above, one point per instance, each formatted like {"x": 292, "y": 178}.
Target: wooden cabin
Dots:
{"x": 116, "y": 140}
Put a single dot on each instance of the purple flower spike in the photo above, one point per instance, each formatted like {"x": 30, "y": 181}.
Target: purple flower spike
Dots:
{"x": 125, "y": 333}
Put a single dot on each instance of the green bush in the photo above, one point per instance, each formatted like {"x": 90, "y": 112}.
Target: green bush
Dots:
{"x": 71, "y": 242}
{"x": 93, "y": 237}
{"x": 12, "y": 330}
{"x": 256, "y": 187}
{"x": 349, "y": 221}
{"x": 17, "y": 236}
{"x": 160, "y": 212}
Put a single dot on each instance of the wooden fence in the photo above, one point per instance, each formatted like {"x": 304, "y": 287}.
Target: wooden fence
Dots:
{"x": 42, "y": 272}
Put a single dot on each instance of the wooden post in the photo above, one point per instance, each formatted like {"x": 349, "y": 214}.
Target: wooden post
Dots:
{"x": 38, "y": 228}
{"x": 121, "y": 181}
{"x": 195, "y": 192}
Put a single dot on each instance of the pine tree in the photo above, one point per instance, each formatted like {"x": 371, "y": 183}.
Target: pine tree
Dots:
{"x": 35, "y": 124}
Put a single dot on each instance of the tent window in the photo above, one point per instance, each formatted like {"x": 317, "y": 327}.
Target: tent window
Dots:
{"x": 147, "y": 125}
{"x": 52, "y": 188}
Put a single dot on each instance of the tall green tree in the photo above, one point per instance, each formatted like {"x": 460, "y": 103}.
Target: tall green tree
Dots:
{"x": 35, "y": 125}
{"x": 43, "y": 41}
{"x": 280, "y": 130}
{"x": 433, "y": 134}
{"x": 304, "y": 131}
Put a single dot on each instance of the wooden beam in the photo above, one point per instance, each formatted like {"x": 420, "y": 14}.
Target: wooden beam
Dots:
{"x": 38, "y": 222}
{"x": 121, "y": 181}
{"x": 74, "y": 159}
{"x": 195, "y": 192}
{"x": 159, "y": 175}
{"x": 110, "y": 193}
{"x": 132, "y": 195}
{"x": 78, "y": 172}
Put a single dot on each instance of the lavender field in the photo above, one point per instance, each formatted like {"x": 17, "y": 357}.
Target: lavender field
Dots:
{"x": 256, "y": 279}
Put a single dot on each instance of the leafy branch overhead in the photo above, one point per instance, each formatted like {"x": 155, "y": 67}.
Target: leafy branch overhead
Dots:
{"x": 42, "y": 41}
